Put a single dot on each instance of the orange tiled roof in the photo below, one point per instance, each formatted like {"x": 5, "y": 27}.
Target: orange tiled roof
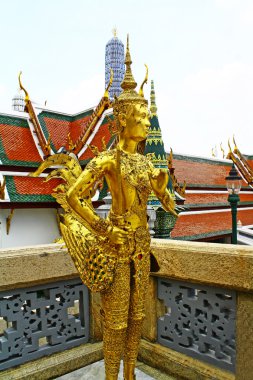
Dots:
{"x": 58, "y": 130}
{"x": 250, "y": 162}
{"x": 209, "y": 198}
{"x": 201, "y": 225}
{"x": 30, "y": 185}
{"x": 28, "y": 189}
{"x": 58, "y": 126}
{"x": 17, "y": 144}
{"x": 77, "y": 127}
{"x": 200, "y": 172}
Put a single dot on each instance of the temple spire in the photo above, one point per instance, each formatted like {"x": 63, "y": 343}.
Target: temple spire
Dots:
{"x": 114, "y": 60}
{"x": 153, "y": 108}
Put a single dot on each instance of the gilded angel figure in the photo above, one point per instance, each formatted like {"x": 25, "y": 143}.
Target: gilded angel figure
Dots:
{"x": 113, "y": 255}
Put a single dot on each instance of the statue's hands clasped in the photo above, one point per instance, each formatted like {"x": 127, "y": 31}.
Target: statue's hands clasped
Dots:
{"x": 118, "y": 235}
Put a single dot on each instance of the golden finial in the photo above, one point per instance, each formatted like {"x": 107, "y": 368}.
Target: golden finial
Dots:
{"x": 223, "y": 152}
{"x": 106, "y": 94}
{"x": 114, "y": 31}
{"x": 230, "y": 154}
{"x": 183, "y": 188}
{"x": 230, "y": 150}
{"x": 8, "y": 221}
{"x": 71, "y": 145}
{"x": 153, "y": 108}
{"x": 170, "y": 159}
{"x": 129, "y": 95}
{"x": 235, "y": 148}
{"x": 141, "y": 93}
{"x": 47, "y": 146}
{"x": 104, "y": 147}
{"x": 128, "y": 81}
{"x": 2, "y": 188}
{"x": 22, "y": 87}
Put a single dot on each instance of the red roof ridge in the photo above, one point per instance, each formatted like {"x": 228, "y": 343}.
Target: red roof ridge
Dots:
{"x": 63, "y": 113}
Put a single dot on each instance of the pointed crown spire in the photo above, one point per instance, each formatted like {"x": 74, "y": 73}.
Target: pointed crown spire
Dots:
{"x": 129, "y": 96}
{"x": 153, "y": 108}
{"x": 128, "y": 81}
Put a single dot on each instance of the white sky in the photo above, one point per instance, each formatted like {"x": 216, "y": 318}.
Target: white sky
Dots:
{"x": 199, "y": 54}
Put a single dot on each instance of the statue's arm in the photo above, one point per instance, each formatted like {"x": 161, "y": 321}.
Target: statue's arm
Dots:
{"x": 95, "y": 170}
{"x": 159, "y": 180}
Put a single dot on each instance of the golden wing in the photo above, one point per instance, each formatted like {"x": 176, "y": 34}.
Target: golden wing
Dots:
{"x": 75, "y": 237}
{"x": 89, "y": 253}
{"x": 72, "y": 171}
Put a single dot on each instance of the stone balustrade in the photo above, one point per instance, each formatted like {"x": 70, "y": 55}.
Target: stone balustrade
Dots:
{"x": 202, "y": 288}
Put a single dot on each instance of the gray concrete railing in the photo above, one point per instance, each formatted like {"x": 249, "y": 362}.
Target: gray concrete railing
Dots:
{"x": 203, "y": 302}
{"x": 197, "y": 272}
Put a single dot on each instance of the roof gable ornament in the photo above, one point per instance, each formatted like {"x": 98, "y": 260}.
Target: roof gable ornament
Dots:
{"x": 241, "y": 163}
{"x": 114, "y": 31}
{"x": 2, "y": 188}
{"x": 44, "y": 144}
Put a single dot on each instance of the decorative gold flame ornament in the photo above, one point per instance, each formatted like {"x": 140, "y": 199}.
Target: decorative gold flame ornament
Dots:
{"x": 113, "y": 255}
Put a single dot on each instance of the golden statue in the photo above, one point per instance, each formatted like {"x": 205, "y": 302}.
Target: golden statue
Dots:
{"x": 113, "y": 255}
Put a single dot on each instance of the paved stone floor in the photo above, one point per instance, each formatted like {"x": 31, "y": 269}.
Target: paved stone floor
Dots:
{"x": 95, "y": 371}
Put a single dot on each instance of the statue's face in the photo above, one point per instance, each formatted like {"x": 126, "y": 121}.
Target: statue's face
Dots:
{"x": 137, "y": 123}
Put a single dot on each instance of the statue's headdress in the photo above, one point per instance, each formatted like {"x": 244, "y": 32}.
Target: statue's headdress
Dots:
{"x": 129, "y": 96}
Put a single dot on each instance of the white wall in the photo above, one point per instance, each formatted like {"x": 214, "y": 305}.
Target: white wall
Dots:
{"x": 28, "y": 227}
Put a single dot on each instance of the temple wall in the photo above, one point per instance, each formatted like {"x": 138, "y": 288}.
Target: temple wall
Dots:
{"x": 207, "y": 286}
{"x": 28, "y": 227}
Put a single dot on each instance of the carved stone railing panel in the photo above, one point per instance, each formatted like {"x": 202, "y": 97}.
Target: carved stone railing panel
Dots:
{"x": 199, "y": 321}
{"x": 41, "y": 320}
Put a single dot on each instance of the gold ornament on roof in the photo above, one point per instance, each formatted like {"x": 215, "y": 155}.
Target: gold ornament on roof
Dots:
{"x": 141, "y": 93}
{"x": 114, "y": 31}
{"x": 2, "y": 188}
{"x": 106, "y": 94}
{"x": 222, "y": 150}
{"x": 235, "y": 148}
{"x": 27, "y": 98}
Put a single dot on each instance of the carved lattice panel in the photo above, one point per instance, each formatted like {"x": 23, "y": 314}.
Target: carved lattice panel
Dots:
{"x": 199, "y": 322}
{"x": 42, "y": 320}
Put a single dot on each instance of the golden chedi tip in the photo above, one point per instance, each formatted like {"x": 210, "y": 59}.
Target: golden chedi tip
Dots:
{"x": 129, "y": 94}
{"x": 128, "y": 81}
